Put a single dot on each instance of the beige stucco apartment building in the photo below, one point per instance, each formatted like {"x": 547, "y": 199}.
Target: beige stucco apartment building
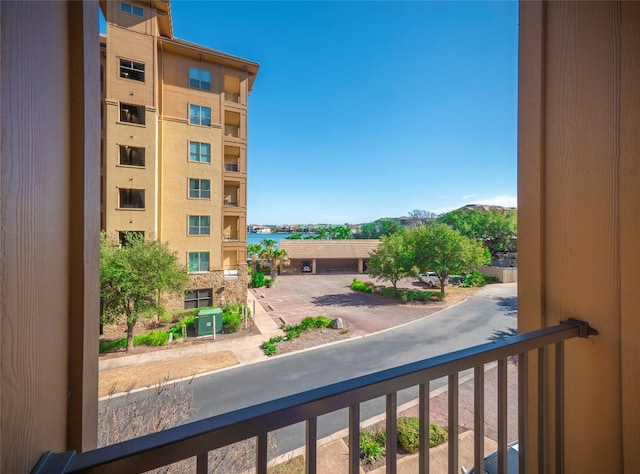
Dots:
{"x": 174, "y": 146}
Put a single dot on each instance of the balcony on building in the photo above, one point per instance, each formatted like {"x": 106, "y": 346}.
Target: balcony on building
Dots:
{"x": 230, "y": 229}
{"x": 232, "y": 89}
{"x": 231, "y": 124}
{"x": 231, "y": 195}
{"x": 231, "y": 159}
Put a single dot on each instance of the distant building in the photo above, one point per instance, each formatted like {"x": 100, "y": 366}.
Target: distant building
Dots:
{"x": 174, "y": 146}
{"x": 328, "y": 256}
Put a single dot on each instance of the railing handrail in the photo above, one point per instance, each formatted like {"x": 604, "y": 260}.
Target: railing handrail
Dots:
{"x": 160, "y": 449}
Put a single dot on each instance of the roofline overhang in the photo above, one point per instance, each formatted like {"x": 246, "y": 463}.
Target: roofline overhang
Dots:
{"x": 213, "y": 55}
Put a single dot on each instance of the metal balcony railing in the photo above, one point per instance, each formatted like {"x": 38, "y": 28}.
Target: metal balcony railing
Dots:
{"x": 230, "y": 203}
{"x": 198, "y": 438}
{"x": 232, "y": 167}
{"x": 230, "y": 236}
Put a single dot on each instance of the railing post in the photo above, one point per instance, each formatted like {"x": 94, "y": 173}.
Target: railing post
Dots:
{"x": 559, "y": 407}
{"x": 261, "y": 453}
{"x": 311, "y": 446}
{"x": 478, "y": 420}
{"x": 202, "y": 463}
{"x": 502, "y": 416}
{"x": 453, "y": 423}
{"x": 392, "y": 433}
{"x": 523, "y": 408}
{"x": 354, "y": 439}
{"x": 424, "y": 427}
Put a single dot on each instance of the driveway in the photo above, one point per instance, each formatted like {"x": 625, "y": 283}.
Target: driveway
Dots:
{"x": 297, "y": 296}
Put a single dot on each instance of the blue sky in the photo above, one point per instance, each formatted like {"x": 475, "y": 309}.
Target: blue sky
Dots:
{"x": 363, "y": 110}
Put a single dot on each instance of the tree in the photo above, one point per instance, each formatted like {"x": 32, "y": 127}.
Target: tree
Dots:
{"x": 388, "y": 227}
{"x": 275, "y": 256}
{"x": 133, "y": 275}
{"x": 393, "y": 259}
{"x": 420, "y": 217}
{"x": 253, "y": 250}
{"x": 367, "y": 231}
{"x": 496, "y": 230}
{"x": 340, "y": 232}
{"x": 445, "y": 251}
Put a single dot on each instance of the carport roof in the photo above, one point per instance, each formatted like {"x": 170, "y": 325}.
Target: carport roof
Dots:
{"x": 299, "y": 249}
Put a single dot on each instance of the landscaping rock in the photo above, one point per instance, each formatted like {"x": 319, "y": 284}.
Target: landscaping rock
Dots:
{"x": 337, "y": 323}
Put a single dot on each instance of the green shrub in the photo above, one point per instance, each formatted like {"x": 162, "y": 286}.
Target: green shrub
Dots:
{"x": 257, "y": 280}
{"x": 437, "y": 435}
{"x": 231, "y": 321}
{"x": 358, "y": 285}
{"x": 267, "y": 282}
{"x": 153, "y": 338}
{"x": 409, "y": 433}
{"x": 372, "y": 445}
{"x": 292, "y": 332}
{"x": 112, "y": 345}
{"x": 269, "y": 347}
{"x": 475, "y": 279}
{"x": 317, "y": 322}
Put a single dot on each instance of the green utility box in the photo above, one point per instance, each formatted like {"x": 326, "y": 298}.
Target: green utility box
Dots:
{"x": 207, "y": 320}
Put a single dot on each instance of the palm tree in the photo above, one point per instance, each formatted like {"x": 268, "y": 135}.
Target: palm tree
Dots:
{"x": 253, "y": 250}
{"x": 274, "y": 256}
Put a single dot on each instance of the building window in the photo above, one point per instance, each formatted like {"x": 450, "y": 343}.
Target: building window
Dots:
{"x": 132, "y": 113}
{"x": 199, "y": 115}
{"x": 198, "y": 262}
{"x": 131, "y": 70}
{"x": 200, "y": 152}
{"x": 131, "y": 155}
{"x": 199, "y": 79}
{"x": 199, "y": 225}
{"x": 125, "y": 236}
{"x": 131, "y": 198}
{"x": 198, "y": 298}
{"x": 131, "y": 9}
{"x": 199, "y": 188}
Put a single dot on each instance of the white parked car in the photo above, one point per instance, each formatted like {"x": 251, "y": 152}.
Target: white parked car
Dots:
{"x": 430, "y": 278}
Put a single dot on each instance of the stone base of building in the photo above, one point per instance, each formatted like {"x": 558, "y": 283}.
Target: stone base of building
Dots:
{"x": 217, "y": 287}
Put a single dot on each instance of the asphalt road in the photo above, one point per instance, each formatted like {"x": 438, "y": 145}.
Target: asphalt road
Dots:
{"x": 489, "y": 313}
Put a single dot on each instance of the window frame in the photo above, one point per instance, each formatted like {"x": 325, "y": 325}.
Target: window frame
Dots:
{"x": 133, "y": 9}
{"x": 199, "y": 152}
{"x": 141, "y": 197}
{"x": 208, "y": 297}
{"x": 199, "y": 115}
{"x": 199, "y": 189}
{"x": 200, "y": 226}
{"x": 132, "y": 68}
{"x": 141, "y": 156}
{"x": 140, "y": 113}
{"x": 200, "y": 260}
{"x": 198, "y": 82}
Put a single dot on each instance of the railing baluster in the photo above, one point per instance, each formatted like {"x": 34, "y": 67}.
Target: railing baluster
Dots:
{"x": 311, "y": 449}
{"x": 202, "y": 463}
{"x": 423, "y": 457}
{"x": 392, "y": 434}
{"x": 453, "y": 423}
{"x": 261, "y": 453}
{"x": 559, "y": 407}
{"x": 478, "y": 420}
{"x": 542, "y": 411}
{"x": 354, "y": 439}
{"x": 523, "y": 407}
{"x": 502, "y": 416}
